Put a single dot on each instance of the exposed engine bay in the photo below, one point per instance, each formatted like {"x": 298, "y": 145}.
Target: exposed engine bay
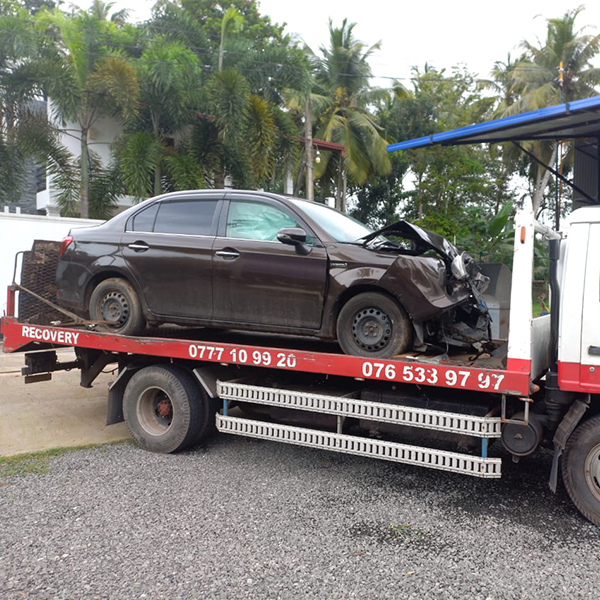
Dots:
{"x": 466, "y": 325}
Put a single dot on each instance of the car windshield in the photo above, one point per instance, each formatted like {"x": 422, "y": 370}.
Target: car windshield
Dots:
{"x": 340, "y": 227}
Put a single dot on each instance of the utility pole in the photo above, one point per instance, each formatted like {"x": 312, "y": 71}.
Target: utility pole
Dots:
{"x": 561, "y": 82}
{"x": 308, "y": 147}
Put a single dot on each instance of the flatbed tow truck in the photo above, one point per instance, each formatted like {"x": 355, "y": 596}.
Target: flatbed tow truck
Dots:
{"x": 175, "y": 387}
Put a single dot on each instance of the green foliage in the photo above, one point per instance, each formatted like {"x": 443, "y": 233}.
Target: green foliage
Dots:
{"x": 229, "y": 100}
{"x": 139, "y": 154}
{"x": 183, "y": 172}
{"x": 89, "y": 76}
{"x": 260, "y": 137}
{"x": 341, "y": 114}
{"x": 25, "y": 132}
{"x": 207, "y": 90}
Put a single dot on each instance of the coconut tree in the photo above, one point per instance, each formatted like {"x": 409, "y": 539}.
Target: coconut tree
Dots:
{"x": 536, "y": 82}
{"x": 341, "y": 111}
{"x": 89, "y": 77}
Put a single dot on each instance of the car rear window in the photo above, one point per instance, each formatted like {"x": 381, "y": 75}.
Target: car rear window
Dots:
{"x": 144, "y": 220}
{"x": 191, "y": 217}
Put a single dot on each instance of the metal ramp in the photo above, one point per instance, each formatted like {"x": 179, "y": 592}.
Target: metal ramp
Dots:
{"x": 342, "y": 407}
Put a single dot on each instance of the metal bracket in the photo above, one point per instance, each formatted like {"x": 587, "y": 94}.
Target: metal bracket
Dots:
{"x": 525, "y": 421}
{"x": 91, "y": 370}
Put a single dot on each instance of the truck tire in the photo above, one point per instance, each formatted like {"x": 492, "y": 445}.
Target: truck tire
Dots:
{"x": 374, "y": 325}
{"x": 116, "y": 301}
{"x": 165, "y": 409}
{"x": 581, "y": 469}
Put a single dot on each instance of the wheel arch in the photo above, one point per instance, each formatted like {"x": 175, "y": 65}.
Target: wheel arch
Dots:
{"x": 100, "y": 276}
{"x": 355, "y": 290}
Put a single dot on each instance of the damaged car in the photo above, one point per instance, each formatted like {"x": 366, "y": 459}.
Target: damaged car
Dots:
{"x": 268, "y": 263}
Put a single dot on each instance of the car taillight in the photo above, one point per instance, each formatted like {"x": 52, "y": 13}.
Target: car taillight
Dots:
{"x": 64, "y": 245}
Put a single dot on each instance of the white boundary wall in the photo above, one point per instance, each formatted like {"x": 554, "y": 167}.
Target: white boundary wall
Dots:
{"x": 17, "y": 233}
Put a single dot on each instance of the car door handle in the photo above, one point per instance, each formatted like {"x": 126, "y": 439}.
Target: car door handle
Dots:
{"x": 594, "y": 350}
{"x": 139, "y": 246}
{"x": 228, "y": 254}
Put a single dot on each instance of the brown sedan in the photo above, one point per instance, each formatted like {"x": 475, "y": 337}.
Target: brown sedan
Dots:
{"x": 263, "y": 262}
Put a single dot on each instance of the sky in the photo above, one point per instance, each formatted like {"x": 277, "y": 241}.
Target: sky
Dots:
{"x": 475, "y": 33}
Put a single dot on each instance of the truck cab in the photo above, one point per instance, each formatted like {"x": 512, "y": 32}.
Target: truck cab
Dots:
{"x": 579, "y": 322}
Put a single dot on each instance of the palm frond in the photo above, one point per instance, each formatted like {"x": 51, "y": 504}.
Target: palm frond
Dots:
{"x": 229, "y": 101}
{"x": 260, "y": 137}
{"x": 117, "y": 81}
{"x": 139, "y": 154}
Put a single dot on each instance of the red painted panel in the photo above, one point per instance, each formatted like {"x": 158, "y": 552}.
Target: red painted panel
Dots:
{"x": 519, "y": 364}
{"x": 440, "y": 375}
{"x": 573, "y": 377}
{"x": 10, "y": 302}
{"x": 590, "y": 377}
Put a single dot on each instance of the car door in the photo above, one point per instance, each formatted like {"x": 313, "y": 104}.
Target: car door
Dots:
{"x": 168, "y": 249}
{"x": 259, "y": 280}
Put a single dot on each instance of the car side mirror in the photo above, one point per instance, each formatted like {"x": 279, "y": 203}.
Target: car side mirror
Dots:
{"x": 294, "y": 236}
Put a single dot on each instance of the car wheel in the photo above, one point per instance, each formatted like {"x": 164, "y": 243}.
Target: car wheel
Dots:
{"x": 166, "y": 410}
{"x": 373, "y": 324}
{"x": 115, "y": 302}
{"x": 581, "y": 469}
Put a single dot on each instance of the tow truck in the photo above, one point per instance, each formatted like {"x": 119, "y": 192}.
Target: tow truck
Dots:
{"x": 175, "y": 387}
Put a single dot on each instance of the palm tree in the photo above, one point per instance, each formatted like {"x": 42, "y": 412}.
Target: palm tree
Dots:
{"x": 341, "y": 76}
{"x": 89, "y": 78}
{"x": 535, "y": 82}
{"x": 25, "y": 132}
{"x": 169, "y": 76}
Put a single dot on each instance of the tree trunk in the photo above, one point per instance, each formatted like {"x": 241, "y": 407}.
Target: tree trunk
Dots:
{"x": 340, "y": 196}
{"x": 541, "y": 182}
{"x": 84, "y": 211}
{"x": 300, "y": 175}
{"x": 158, "y": 167}
{"x": 419, "y": 200}
{"x": 310, "y": 192}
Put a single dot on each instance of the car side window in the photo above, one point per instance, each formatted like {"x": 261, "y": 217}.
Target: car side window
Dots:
{"x": 256, "y": 221}
{"x": 144, "y": 220}
{"x": 189, "y": 217}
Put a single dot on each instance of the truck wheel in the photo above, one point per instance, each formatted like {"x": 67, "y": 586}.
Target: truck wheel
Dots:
{"x": 373, "y": 324}
{"x": 581, "y": 469}
{"x": 165, "y": 409}
{"x": 114, "y": 300}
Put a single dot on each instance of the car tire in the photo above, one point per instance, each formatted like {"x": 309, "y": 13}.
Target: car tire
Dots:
{"x": 581, "y": 469}
{"x": 166, "y": 410}
{"x": 375, "y": 325}
{"x": 116, "y": 301}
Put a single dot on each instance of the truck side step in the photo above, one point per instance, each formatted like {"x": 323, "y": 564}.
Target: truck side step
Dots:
{"x": 349, "y": 444}
{"x": 483, "y": 427}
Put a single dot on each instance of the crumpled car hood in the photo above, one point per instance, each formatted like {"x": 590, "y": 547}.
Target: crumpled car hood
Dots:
{"x": 424, "y": 240}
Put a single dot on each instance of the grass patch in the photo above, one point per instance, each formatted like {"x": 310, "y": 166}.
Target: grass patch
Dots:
{"x": 405, "y": 531}
{"x": 39, "y": 462}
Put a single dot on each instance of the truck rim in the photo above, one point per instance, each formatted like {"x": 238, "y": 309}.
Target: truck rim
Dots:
{"x": 371, "y": 329}
{"x": 592, "y": 471}
{"x": 155, "y": 411}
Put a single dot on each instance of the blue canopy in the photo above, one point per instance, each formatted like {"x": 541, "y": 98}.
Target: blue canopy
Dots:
{"x": 573, "y": 120}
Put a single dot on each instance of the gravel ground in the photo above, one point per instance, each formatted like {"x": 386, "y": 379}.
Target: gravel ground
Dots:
{"x": 256, "y": 519}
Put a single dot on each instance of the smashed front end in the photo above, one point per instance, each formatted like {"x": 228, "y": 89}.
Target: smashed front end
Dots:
{"x": 441, "y": 288}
